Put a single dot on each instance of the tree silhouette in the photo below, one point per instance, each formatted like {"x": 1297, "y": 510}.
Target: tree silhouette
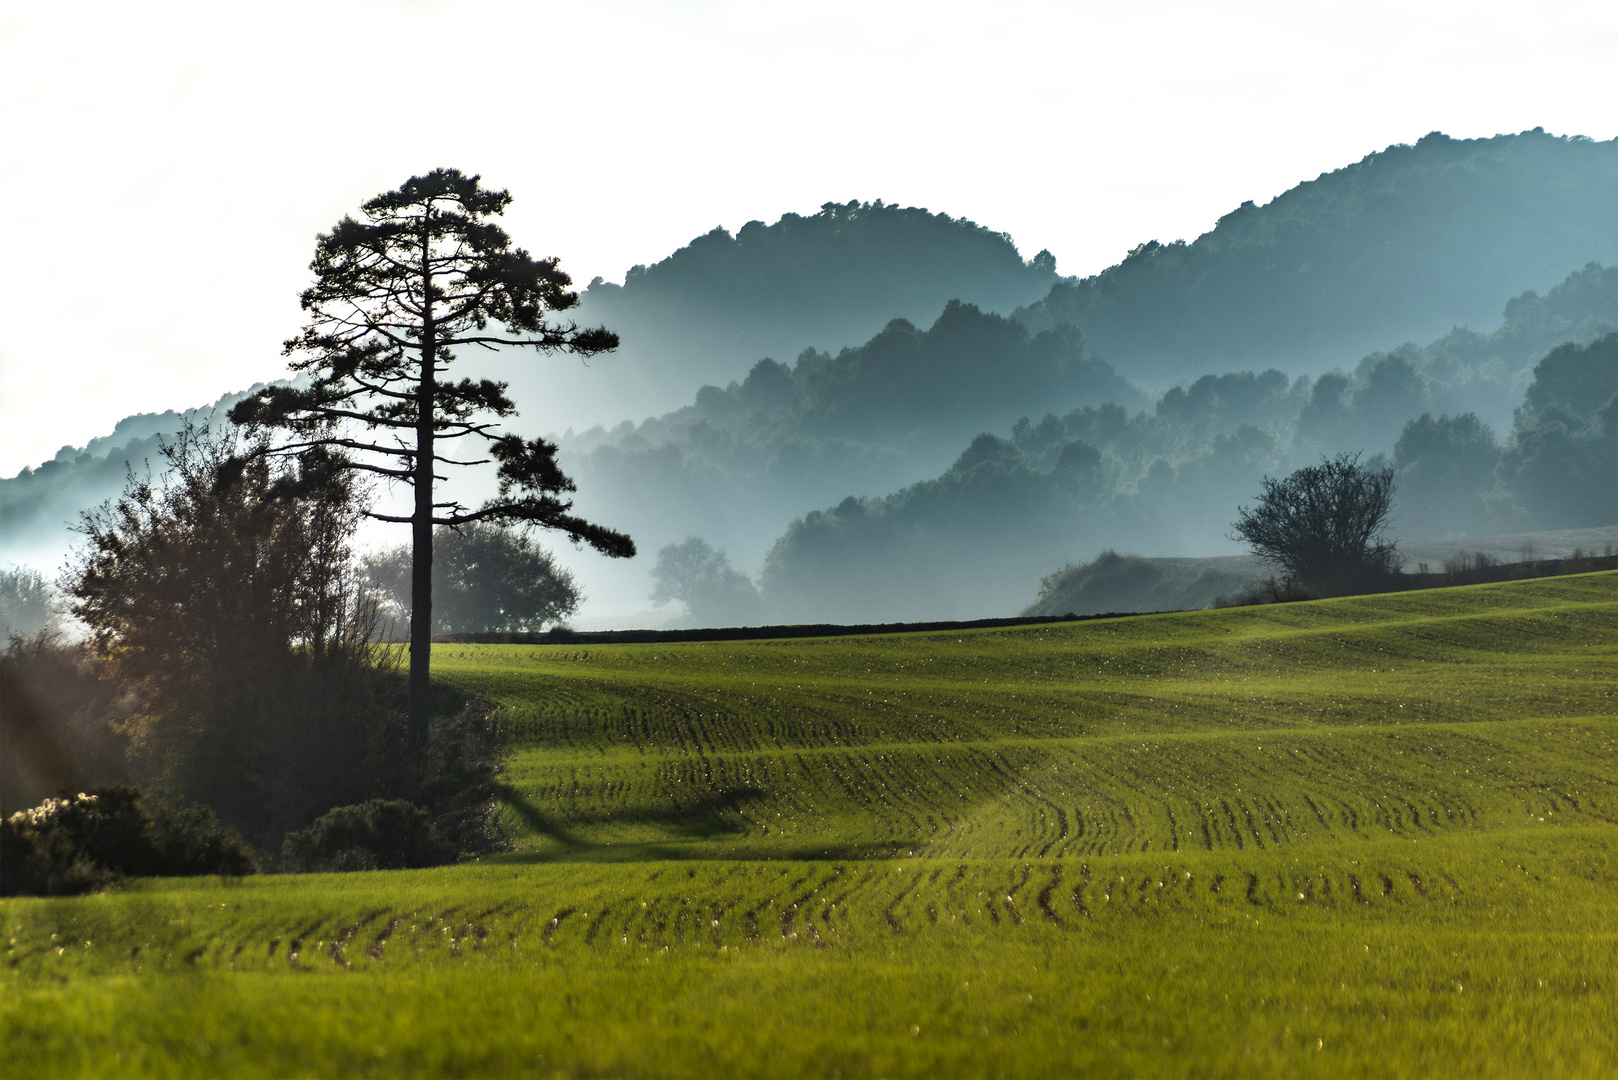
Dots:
{"x": 1323, "y": 524}
{"x": 424, "y": 272}
{"x": 714, "y": 592}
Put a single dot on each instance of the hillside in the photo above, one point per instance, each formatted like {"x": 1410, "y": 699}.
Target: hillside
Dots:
{"x": 967, "y": 533}
{"x": 974, "y": 541}
{"x": 711, "y": 310}
{"x": 1020, "y": 743}
{"x": 39, "y": 507}
{"x": 1348, "y": 837}
{"x": 741, "y": 461}
{"x": 892, "y": 381}
{"x": 1400, "y": 246}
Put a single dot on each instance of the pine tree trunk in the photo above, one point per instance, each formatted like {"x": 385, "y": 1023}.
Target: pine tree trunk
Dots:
{"x": 421, "y": 523}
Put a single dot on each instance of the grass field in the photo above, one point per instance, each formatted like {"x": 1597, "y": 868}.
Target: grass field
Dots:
{"x": 1372, "y": 836}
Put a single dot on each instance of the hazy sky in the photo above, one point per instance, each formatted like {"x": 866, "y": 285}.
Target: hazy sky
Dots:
{"x": 167, "y": 165}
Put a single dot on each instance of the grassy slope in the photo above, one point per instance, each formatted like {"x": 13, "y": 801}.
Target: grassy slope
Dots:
{"x": 1375, "y": 835}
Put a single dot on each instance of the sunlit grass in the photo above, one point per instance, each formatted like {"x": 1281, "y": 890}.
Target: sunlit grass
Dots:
{"x": 1372, "y": 836}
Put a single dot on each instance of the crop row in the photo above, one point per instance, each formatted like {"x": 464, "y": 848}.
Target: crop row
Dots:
{"x": 1061, "y": 798}
{"x": 509, "y": 913}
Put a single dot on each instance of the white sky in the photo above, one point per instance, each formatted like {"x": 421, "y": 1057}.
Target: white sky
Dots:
{"x": 166, "y": 165}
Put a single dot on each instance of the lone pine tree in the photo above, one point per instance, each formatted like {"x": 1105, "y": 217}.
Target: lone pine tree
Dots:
{"x": 423, "y": 273}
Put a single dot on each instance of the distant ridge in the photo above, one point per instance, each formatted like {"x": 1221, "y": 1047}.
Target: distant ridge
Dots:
{"x": 1402, "y": 245}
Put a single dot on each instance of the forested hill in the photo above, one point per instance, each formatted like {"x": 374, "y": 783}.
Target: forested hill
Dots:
{"x": 739, "y": 462}
{"x": 40, "y": 506}
{"x": 709, "y": 311}
{"x": 1400, "y": 246}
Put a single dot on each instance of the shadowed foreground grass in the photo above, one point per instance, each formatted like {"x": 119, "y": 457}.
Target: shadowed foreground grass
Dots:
{"x": 1354, "y": 837}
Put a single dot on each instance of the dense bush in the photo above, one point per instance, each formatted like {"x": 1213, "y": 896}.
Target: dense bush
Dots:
{"x": 1323, "y": 525}
{"x": 82, "y": 842}
{"x": 380, "y": 834}
{"x": 226, "y": 600}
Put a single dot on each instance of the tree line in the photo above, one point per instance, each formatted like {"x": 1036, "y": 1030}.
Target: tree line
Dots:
{"x": 980, "y": 535}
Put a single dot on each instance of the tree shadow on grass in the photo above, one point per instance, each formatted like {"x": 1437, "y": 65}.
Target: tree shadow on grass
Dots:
{"x": 708, "y": 818}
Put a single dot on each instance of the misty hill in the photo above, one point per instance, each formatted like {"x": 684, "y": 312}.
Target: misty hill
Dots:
{"x": 1467, "y": 371}
{"x": 738, "y": 463}
{"x": 892, "y": 415}
{"x": 39, "y": 506}
{"x": 709, "y": 311}
{"x": 1399, "y": 246}
{"x": 1402, "y": 246}
{"x": 974, "y": 540}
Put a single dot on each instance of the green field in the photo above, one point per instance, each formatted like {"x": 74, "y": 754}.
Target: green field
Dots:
{"x": 1366, "y": 836}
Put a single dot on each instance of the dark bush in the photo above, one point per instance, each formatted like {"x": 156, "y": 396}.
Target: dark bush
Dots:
{"x": 1269, "y": 590}
{"x": 224, "y": 597}
{"x": 381, "y": 834}
{"x": 78, "y": 843}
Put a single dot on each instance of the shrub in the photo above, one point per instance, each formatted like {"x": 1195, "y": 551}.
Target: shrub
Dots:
{"x": 225, "y": 598}
{"x": 1266, "y": 591}
{"x": 381, "y": 834}
{"x": 78, "y": 843}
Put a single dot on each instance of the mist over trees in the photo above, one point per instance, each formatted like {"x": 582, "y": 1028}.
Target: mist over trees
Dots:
{"x": 707, "y": 312}
{"x": 741, "y": 461}
{"x": 1561, "y": 463}
{"x": 980, "y": 536}
{"x": 714, "y": 592}
{"x": 1285, "y": 333}
{"x": 1445, "y": 464}
{"x": 1401, "y": 245}
{"x": 28, "y": 604}
{"x": 40, "y": 505}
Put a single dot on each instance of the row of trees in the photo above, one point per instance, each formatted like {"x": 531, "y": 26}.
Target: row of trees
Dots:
{"x": 1323, "y": 528}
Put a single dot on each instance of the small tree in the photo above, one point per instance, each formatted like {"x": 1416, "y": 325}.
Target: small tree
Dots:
{"x": 427, "y": 271}
{"x": 714, "y": 592}
{"x": 1323, "y": 524}
{"x": 486, "y": 578}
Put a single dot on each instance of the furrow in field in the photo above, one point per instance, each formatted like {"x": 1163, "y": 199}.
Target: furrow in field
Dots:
{"x": 1058, "y": 798}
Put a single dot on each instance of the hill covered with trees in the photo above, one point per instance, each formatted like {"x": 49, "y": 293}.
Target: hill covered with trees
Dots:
{"x": 40, "y": 505}
{"x": 739, "y": 462}
{"x": 709, "y": 311}
{"x": 1267, "y": 341}
{"x": 976, "y": 539}
{"x": 1399, "y": 246}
